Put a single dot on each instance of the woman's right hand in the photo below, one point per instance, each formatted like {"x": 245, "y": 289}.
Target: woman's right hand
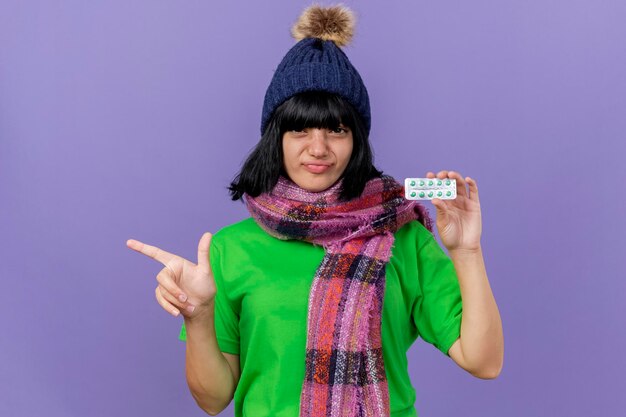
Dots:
{"x": 184, "y": 287}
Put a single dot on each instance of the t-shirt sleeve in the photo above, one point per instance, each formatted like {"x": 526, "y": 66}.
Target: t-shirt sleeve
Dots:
{"x": 437, "y": 313}
{"x": 226, "y": 316}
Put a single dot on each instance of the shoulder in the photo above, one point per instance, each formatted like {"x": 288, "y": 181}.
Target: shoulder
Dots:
{"x": 242, "y": 235}
{"x": 413, "y": 234}
{"x": 245, "y": 228}
{"x": 246, "y": 225}
{"x": 232, "y": 242}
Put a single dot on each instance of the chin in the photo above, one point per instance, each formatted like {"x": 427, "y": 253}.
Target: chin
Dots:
{"x": 313, "y": 188}
{"x": 317, "y": 185}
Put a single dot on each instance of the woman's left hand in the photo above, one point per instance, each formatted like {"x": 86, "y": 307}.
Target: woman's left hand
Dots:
{"x": 458, "y": 220}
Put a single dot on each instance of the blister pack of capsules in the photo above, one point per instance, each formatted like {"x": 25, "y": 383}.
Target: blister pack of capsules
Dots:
{"x": 429, "y": 188}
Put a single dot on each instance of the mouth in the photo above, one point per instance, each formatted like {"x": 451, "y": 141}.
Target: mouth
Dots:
{"x": 316, "y": 168}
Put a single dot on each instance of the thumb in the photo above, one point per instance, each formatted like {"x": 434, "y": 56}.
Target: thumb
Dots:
{"x": 203, "y": 252}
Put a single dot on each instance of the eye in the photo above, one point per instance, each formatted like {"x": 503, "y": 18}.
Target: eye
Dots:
{"x": 340, "y": 130}
{"x": 297, "y": 131}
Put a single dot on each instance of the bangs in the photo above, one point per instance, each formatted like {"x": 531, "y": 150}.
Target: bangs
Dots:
{"x": 317, "y": 109}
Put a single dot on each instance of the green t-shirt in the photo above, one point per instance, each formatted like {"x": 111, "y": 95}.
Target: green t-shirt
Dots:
{"x": 261, "y": 311}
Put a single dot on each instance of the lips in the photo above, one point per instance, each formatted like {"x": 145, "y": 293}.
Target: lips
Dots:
{"x": 316, "y": 168}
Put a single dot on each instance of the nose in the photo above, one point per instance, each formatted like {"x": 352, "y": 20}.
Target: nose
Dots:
{"x": 318, "y": 146}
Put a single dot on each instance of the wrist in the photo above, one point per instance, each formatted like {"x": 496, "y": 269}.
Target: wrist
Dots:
{"x": 465, "y": 252}
{"x": 201, "y": 314}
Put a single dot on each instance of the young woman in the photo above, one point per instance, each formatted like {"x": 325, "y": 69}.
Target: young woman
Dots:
{"x": 308, "y": 307}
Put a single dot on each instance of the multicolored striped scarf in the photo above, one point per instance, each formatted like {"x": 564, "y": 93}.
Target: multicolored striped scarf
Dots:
{"x": 345, "y": 373}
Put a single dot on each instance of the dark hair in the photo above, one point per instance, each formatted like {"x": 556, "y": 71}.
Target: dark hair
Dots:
{"x": 321, "y": 109}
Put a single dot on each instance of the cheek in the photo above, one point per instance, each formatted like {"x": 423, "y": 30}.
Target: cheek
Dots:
{"x": 286, "y": 150}
{"x": 347, "y": 154}
{"x": 290, "y": 155}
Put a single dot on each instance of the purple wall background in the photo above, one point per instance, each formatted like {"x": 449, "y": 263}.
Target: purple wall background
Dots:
{"x": 127, "y": 120}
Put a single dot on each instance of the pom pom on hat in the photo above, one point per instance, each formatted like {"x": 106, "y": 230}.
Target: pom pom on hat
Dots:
{"x": 334, "y": 23}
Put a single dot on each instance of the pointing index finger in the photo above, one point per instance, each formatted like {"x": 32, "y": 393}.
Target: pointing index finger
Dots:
{"x": 152, "y": 251}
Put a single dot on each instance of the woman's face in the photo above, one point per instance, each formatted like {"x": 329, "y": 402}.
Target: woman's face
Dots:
{"x": 315, "y": 158}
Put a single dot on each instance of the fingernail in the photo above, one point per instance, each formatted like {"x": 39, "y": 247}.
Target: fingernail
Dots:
{"x": 175, "y": 312}
{"x": 190, "y": 308}
{"x": 182, "y": 298}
